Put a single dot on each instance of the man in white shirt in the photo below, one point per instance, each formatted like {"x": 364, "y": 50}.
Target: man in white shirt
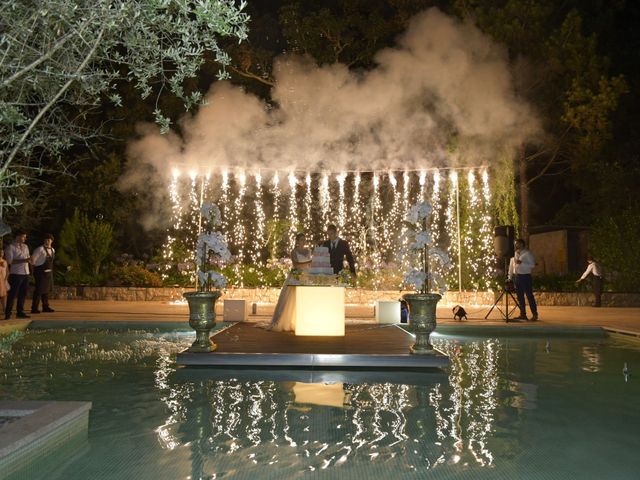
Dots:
{"x": 18, "y": 258}
{"x": 42, "y": 260}
{"x": 596, "y": 270}
{"x": 520, "y": 267}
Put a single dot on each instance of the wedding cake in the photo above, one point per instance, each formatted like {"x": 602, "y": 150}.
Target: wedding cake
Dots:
{"x": 320, "y": 262}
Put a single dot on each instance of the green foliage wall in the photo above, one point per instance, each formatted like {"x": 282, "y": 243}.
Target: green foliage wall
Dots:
{"x": 612, "y": 243}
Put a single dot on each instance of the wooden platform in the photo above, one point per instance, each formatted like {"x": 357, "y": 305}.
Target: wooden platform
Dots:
{"x": 369, "y": 346}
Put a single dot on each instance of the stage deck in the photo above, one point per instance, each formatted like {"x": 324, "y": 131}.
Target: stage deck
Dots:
{"x": 363, "y": 346}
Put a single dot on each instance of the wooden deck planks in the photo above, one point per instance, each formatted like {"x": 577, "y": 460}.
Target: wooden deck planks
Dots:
{"x": 368, "y": 339}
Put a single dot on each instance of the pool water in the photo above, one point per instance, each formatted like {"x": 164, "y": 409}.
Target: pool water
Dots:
{"x": 506, "y": 408}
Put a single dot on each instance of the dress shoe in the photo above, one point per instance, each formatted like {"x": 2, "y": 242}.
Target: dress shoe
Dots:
{"x": 48, "y": 309}
{"x": 35, "y": 310}
{"x": 534, "y": 317}
{"x": 22, "y": 315}
{"x": 520, "y": 317}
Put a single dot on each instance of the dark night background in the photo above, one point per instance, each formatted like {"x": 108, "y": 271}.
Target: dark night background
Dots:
{"x": 593, "y": 173}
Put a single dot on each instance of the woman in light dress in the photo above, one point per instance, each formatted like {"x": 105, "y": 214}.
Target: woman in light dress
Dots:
{"x": 283, "y": 314}
{"x": 4, "y": 282}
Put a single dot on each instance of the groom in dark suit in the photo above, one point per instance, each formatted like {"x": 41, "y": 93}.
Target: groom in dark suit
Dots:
{"x": 338, "y": 250}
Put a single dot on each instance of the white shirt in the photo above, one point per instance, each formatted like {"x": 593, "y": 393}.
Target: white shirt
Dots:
{"x": 528, "y": 262}
{"x": 17, "y": 252}
{"x": 40, "y": 255}
{"x": 592, "y": 268}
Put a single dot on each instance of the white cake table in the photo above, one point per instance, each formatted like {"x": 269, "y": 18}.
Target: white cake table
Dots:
{"x": 317, "y": 310}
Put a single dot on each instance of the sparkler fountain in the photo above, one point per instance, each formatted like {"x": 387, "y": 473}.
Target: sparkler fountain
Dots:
{"x": 367, "y": 206}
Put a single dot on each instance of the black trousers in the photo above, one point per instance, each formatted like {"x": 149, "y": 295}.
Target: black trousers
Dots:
{"x": 597, "y": 290}
{"x": 524, "y": 286}
{"x": 43, "y": 286}
{"x": 19, "y": 287}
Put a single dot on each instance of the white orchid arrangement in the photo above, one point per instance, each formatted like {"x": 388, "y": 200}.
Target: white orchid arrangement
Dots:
{"x": 424, "y": 279}
{"x": 211, "y": 243}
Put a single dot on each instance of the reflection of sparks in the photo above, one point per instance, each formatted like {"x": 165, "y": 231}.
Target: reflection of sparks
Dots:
{"x": 591, "y": 360}
{"x": 380, "y": 421}
{"x": 474, "y": 382}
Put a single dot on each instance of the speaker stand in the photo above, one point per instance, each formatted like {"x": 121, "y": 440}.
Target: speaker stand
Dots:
{"x": 508, "y": 311}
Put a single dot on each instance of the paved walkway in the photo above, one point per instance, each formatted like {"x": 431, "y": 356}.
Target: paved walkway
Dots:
{"x": 620, "y": 319}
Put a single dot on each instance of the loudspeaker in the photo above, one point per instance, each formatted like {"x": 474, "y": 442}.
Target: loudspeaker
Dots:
{"x": 503, "y": 238}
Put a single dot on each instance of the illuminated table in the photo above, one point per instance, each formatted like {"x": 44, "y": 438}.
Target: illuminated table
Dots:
{"x": 318, "y": 310}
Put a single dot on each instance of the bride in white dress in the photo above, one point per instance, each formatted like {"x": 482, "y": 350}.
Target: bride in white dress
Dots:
{"x": 301, "y": 259}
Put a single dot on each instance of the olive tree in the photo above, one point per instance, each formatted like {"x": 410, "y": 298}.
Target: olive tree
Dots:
{"x": 59, "y": 59}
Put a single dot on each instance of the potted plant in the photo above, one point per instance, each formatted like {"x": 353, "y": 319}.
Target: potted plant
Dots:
{"x": 423, "y": 303}
{"x": 211, "y": 247}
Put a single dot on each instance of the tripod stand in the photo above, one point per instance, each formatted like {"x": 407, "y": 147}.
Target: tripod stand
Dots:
{"x": 507, "y": 293}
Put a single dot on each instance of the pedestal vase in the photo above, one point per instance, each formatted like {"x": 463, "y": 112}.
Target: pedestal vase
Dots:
{"x": 422, "y": 318}
{"x": 202, "y": 318}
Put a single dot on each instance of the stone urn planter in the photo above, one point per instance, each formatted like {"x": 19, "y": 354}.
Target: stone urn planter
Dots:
{"x": 202, "y": 318}
{"x": 422, "y": 318}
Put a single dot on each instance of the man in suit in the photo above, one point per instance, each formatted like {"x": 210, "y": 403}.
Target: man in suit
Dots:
{"x": 338, "y": 250}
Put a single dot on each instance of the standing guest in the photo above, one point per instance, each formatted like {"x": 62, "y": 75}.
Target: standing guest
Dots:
{"x": 594, "y": 269}
{"x": 520, "y": 267}
{"x": 4, "y": 280}
{"x": 42, "y": 260}
{"x": 338, "y": 251}
{"x": 18, "y": 258}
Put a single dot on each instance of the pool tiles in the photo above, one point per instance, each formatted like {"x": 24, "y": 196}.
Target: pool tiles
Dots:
{"x": 37, "y": 432}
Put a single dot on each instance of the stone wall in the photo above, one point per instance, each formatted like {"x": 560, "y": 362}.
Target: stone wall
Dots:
{"x": 353, "y": 296}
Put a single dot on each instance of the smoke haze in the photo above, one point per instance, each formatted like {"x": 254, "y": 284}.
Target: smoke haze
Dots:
{"x": 443, "y": 96}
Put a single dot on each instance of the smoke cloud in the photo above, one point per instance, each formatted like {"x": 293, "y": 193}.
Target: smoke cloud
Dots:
{"x": 444, "y": 96}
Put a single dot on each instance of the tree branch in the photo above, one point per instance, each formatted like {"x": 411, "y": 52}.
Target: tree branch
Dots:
{"x": 51, "y": 103}
{"x": 252, "y": 75}
{"x": 47, "y": 55}
{"x": 551, "y": 160}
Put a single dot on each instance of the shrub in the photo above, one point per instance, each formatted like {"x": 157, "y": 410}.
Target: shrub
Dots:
{"x": 84, "y": 243}
{"x": 133, "y": 276}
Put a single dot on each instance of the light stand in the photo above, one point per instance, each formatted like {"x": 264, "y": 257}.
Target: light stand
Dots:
{"x": 506, "y": 293}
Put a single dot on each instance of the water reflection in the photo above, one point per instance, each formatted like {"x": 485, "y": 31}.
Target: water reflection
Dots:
{"x": 591, "y": 361}
{"x": 465, "y": 421}
{"x": 302, "y": 426}
{"x": 403, "y": 423}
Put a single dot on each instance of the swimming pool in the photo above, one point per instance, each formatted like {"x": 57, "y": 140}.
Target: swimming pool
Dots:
{"x": 520, "y": 407}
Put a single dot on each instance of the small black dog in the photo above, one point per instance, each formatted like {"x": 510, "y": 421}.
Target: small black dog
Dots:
{"x": 459, "y": 313}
